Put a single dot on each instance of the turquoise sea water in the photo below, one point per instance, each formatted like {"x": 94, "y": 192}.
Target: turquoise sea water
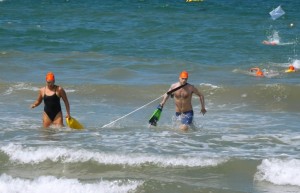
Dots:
{"x": 114, "y": 58}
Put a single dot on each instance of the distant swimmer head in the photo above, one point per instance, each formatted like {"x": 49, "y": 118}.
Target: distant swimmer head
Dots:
{"x": 184, "y": 74}
{"x": 291, "y": 67}
{"x": 257, "y": 71}
{"x": 50, "y": 77}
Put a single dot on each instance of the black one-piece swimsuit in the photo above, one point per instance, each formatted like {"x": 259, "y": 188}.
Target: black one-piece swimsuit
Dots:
{"x": 52, "y": 105}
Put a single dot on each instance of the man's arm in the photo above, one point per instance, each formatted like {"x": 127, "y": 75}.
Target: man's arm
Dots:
{"x": 201, "y": 97}
{"x": 166, "y": 96}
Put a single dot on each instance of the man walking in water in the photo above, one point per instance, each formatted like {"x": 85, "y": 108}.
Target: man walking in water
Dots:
{"x": 183, "y": 100}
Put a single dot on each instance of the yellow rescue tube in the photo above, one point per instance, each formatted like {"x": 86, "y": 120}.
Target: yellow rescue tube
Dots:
{"x": 289, "y": 70}
{"x": 73, "y": 123}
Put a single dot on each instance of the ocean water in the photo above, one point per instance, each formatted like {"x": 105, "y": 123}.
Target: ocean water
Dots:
{"x": 115, "y": 59}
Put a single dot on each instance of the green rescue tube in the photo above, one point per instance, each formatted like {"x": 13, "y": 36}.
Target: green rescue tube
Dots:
{"x": 155, "y": 116}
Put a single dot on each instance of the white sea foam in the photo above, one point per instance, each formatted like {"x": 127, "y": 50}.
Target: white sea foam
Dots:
{"x": 35, "y": 155}
{"x": 51, "y": 184}
{"x": 296, "y": 64}
{"x": 20, "y": 86}
{"x": 70, "y": 90}
{"x": 274, "y": 37}
{"x": 279, "y": 171}
{"x": 25, "y": 86}
{"x": 209, "y": 85}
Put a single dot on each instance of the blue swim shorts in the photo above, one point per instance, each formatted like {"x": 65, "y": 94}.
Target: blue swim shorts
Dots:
{"x": 186, "y": 117}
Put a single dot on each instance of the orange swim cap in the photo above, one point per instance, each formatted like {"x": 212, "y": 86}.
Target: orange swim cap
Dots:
{"x": 259, "y": 73}
{"x": 184, "y": 74}
{"x": 291, "y": 67}
{"x": 50, "y": 77}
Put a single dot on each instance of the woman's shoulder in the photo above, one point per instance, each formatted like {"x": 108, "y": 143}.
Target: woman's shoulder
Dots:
{"x": 59, "y": 88}
{"x": 42, "y": 89}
